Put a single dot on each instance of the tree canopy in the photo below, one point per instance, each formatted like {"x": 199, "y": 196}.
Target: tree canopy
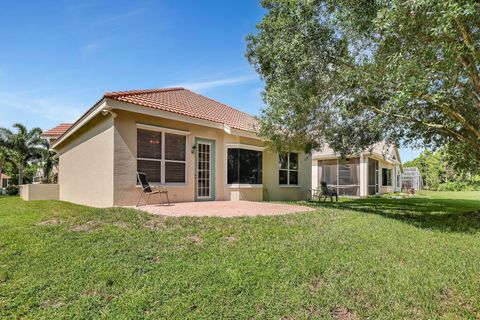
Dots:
{"x": 351, "y": 73}
{"x": 21, "y": 146}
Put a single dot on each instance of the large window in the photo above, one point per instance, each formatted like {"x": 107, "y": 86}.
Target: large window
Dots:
{"x": 161, "y": 156}
{"x": 386, "y": 177}
{"x": 288, "y": 172}
{"x": 244, "y": 166}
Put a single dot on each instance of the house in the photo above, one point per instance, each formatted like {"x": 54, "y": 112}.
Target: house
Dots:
{"x": 55, "y": 132}
{"x": 374, "y": 171}
{"x": 200, "y": 149}
{"x": 3, "y": 183}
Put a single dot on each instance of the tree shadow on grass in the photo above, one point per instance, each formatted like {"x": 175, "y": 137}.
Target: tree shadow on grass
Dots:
{"x": 449, "y": 215}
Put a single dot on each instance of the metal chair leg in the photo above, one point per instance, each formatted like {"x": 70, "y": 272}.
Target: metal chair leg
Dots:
{"x": 148, "y": 198}
{"x": 139, "y": 198}
{"x": 168, "y": 200}
{"x": 161, "y": 199}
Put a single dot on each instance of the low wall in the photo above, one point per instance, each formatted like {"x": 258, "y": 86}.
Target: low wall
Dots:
{"x": 30, "y": 192}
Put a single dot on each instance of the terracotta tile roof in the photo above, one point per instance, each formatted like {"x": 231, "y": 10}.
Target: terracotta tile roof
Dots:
{"x": 188, "y": 103}
{"x": 379, "y": 148}
{"x": 4, "y": 176}
{"x": 57, "y": 131}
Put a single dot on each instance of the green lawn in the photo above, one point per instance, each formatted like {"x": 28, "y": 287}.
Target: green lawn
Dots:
{"x": 374, "y": 258}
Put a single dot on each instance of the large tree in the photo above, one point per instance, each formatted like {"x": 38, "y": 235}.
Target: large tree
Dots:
{"x": 351, "y": 73}
{"x": 21, "y": 146}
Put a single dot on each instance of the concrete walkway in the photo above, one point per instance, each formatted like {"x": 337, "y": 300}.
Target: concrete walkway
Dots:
{"x": 224, "y": 209}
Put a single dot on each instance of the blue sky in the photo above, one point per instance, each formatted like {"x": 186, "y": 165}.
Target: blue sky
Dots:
{"x": 58, "y": 57}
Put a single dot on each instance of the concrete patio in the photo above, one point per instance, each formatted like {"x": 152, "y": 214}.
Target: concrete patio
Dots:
{"x": 224, "y": 209}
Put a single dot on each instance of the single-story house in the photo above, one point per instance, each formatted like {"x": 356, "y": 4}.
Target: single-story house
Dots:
{"x": 4, "y": 180}
{"x": 3, "y": 183}
{"x": 200, "y": 149}
{"x": 374, "y": 171}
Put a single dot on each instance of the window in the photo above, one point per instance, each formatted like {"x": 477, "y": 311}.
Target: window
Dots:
{"x": 386, "y": 177}
{"x": 244, "y": 166}
{"x": 288, "y": 172}
{"x": 161, "y": 156}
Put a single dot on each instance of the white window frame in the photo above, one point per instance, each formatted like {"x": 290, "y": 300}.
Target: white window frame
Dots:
{"x": 288, "y": 184}
{"x": 162, "y": 161}
{"x": 391, "y": 177}
{"x": 240, "y": 146}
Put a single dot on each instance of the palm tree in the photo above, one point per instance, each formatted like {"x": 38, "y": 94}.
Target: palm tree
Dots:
{"x": 48, "y": 161}
{"x": 21, "y": 146}
{"x": 3, "y": 160}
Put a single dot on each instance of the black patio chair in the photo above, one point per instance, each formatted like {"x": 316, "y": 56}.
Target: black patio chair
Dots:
{"x": 326, "y": 192}
{"x": 148, "y": 190}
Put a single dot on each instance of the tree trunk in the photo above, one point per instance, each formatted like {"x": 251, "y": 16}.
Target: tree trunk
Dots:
{"x": 20, "y": 175}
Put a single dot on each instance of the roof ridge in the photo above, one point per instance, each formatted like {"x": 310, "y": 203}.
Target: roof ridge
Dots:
{"x": 116, "y": 94}
{"x": 223, "y": 104}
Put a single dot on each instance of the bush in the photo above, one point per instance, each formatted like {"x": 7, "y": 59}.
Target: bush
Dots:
{"x": 12, "y": 190}
{"x": 473, "y": 185}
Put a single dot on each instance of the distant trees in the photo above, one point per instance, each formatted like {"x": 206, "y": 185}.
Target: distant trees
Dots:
{"x": 439, "y": 174}
{"x": 21, "y": 146}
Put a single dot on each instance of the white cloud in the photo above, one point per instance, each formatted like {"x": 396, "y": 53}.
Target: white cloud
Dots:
{"x": 44, "y": 107}
{"x": 92, "y": 47}
{"x": 203, "y": 86}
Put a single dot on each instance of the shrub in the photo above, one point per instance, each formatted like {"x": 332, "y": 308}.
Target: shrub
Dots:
{"x": 12, "y": 190}
{"x": 473, "y": 185}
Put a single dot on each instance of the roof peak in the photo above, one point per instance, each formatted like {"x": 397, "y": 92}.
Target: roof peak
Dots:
{"x": 116, "y": 94}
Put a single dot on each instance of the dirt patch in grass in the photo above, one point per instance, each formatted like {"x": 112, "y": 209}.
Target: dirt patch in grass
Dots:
{"x": 157, "y": 223}
{"x": 231, "y": 238}
{"x": 194, "y": 239}
{"x": 121, "y": 224}
{"x": 316, "y": 284}
{"x": 87, "y": 227}
{"x": 53, "y": 303}
{"x": 451, "y": 300}
{"x": 343, "y": 313}
{"x": 51, "y": 222}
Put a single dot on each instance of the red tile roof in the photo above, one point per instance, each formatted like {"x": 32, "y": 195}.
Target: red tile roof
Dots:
{"x": 188, "y": 103}
{"x": 57, "y": 131}
{"x": 4, "y": 176}
{"x": 379, "y": 148}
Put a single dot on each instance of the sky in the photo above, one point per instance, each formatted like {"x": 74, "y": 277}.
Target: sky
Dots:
{"x": 57, "y": 58}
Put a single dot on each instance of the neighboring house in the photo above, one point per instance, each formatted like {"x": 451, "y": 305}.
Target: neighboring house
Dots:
{"x": 52, "y": 134}
{"x": 3, "y": 183}
{"x": 199, "y": 148}
{"x": 375, "y": 171}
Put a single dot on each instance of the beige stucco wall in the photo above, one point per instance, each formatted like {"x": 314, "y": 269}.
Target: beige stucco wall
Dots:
{"x": 98, "y": 162}
{"x": 125, "y": 145}
{"x": 274, "y": 191}
{"x": 86, "y": 164}
{"x": 125, "y": 161}
{"x": 29, "y": 192}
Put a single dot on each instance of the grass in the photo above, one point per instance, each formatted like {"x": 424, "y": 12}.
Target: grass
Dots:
{"x": 377, "y": 258}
